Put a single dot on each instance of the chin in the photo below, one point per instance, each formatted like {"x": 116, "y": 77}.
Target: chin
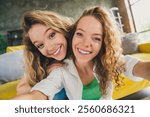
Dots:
{"x": 60, "y": 58}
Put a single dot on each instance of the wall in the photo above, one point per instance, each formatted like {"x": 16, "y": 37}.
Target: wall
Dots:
{"x": 11, "y": 10}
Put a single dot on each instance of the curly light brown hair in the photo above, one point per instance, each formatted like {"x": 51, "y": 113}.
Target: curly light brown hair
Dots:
{"x": 35, "y": 63}
{"x": 108, "y": 63}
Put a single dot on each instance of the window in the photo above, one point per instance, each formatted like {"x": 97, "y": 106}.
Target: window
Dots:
{"x": 140, "y": 12}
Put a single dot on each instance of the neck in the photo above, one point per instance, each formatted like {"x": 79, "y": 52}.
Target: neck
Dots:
{"x": 84, "y": 66}
{"x": 85, "y": 71}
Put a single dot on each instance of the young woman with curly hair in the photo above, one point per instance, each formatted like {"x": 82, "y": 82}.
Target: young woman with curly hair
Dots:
{"x": 45, "y": 40}
{"x": 96, "y": 61}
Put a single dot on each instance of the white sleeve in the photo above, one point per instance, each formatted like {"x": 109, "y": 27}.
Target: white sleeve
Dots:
{"x": 50, "y": 85}
{"x": 130, "y": 63}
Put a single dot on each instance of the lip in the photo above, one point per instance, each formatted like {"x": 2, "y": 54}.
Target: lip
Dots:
{"x": 55, "y": 52}
{"x": 84, "y": 52}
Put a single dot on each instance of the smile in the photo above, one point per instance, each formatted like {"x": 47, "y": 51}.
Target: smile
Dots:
{"x": 83, "y": 51}
{"x": 56, "y": 51}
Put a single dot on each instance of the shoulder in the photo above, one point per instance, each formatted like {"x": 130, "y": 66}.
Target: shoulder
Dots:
{"x": 130, "y": 61}
{"x": 130, "y": 64}
{"x": 70, "y": 64}
{"x": 57, "y": 71}
{"x": 129, "y": 58}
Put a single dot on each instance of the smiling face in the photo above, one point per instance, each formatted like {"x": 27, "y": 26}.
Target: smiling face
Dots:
{"x": 87, "y": 39}
{"x": 50, "y": 43}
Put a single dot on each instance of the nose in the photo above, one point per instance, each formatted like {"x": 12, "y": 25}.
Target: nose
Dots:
{"x": 87, "y": 42}
{"x": 48, "y": 45}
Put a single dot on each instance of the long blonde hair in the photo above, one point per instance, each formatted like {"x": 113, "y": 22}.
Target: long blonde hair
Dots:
{"x": 35, "y": 63}
{"x": 108, "y": 63}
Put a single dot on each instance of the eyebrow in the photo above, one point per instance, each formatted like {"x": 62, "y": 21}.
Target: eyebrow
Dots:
{"x": 80, "y": 29}
{"x": 98, "y": 34}
{"x": 47, "y": 30}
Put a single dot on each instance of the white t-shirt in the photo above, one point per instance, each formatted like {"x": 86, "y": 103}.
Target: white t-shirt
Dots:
{"x": 67, "y": 77}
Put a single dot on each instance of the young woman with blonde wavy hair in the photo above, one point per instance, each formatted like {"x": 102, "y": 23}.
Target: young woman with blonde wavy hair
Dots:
{"x": 96, "y": 61}
{"x": 45, "y": 40}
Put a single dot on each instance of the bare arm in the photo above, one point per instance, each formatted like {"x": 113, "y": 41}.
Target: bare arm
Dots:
{"x": 34, "y": 95}
{"x": 23, "y": 87}
{"x": 142, "y": 69}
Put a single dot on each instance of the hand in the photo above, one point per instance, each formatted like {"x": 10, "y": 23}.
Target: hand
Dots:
{"x": 23, "y": 86}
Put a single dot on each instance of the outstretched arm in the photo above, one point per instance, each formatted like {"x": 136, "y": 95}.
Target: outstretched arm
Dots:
{"x": 142, "y": 69}
{"x": 34, "y": 95}
{"x": 23, "y": 87}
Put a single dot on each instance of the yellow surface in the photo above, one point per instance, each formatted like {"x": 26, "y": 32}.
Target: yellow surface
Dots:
{"x": 145, "y": 48}
{"x": 8, "y": 90}
{"x": 130, "y": 86}
{"x": 14, "y": 48}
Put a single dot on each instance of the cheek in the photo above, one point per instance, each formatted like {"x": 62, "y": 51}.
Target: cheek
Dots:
{"x": 65, "y": 48}
{"x": 63, "y": 40}
{"x": 98, "y": 47}
{"x": 75, "y": 41}
{"x": 42, "y": 52}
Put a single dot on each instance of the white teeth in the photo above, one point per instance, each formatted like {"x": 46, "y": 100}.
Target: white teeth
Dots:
{"x": 57, "y": 51}
{"x": 83, "y": 52}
